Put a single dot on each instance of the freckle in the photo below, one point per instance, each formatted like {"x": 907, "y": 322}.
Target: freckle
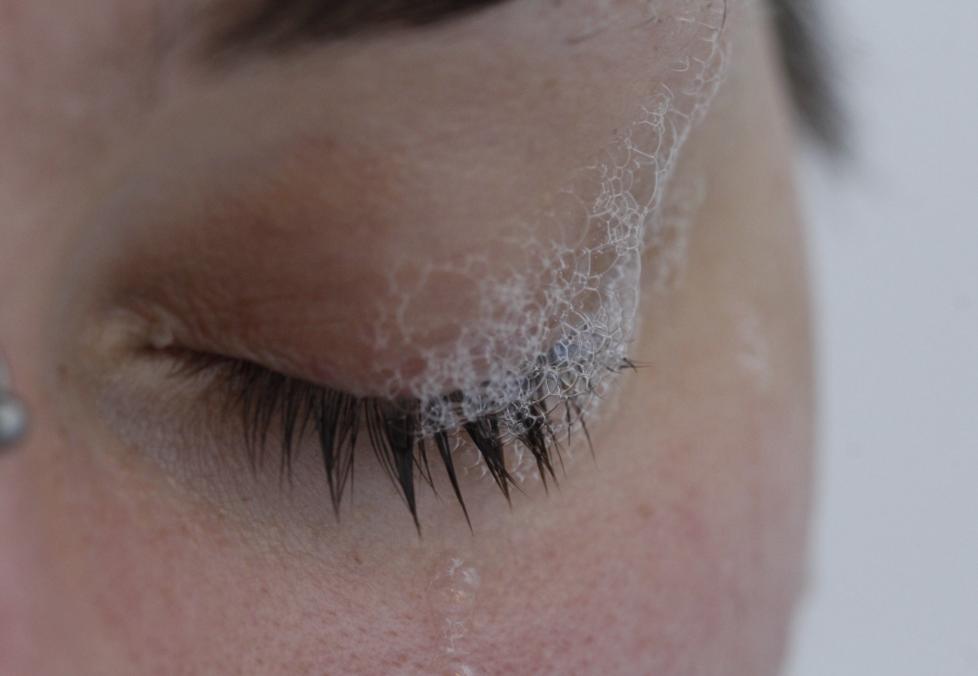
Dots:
{"x": 644, "y": 510}
{"x": 551, "y": 554}
{"x": 356, "y": 558}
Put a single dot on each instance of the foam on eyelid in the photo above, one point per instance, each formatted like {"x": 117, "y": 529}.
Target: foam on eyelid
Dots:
{"x": 558, "y": 330}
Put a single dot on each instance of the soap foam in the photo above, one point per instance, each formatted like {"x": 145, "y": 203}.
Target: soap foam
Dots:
{"x": 552, "y": 336}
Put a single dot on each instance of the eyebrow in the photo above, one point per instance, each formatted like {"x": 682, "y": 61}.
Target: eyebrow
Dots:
{"x": 282, "y": 25}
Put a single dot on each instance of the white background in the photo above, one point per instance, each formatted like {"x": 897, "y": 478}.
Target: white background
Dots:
{"x": 895, "y": 242}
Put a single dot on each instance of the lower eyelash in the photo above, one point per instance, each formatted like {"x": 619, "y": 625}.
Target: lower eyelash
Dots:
{"x": 266, "y": 400}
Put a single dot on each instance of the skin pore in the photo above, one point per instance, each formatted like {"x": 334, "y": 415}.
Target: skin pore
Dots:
{"x": 132, "y": 177}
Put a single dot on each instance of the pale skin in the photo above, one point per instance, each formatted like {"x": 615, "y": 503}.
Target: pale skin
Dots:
{"x": 679, "y": 549}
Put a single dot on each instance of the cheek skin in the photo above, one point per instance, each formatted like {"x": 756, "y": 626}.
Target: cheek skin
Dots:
{"x": 672, "y": 555}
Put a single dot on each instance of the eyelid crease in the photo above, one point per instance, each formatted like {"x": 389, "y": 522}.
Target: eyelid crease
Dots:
{"x": 266, "y": 401}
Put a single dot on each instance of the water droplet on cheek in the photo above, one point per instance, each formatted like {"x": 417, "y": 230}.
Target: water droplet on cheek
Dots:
{"x": 454, "y": 589}
{"x": 454, "y": 668}
{"x": 452, "y": 596}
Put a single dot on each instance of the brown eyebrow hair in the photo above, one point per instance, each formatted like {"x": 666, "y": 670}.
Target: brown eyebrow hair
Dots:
{"x": 285, "y": 24}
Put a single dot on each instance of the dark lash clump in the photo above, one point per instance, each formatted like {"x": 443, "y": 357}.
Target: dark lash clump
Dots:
{"x": 267, "y": 400}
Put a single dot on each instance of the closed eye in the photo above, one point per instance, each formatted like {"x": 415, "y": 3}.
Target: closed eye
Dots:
{"x": 279, "y": 412}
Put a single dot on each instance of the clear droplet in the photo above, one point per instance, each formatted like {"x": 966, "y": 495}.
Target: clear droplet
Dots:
{"x": 450, "y": 667}
{"x": 453, "y": 591}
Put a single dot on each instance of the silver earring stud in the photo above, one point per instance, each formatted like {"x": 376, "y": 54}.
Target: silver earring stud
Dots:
{"x": 13, "y": 413}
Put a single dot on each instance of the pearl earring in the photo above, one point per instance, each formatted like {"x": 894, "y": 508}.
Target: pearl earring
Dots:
{"x": 13, "y": 413}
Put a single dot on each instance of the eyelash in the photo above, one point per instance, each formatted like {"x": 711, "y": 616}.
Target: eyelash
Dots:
{"x": 265, "y": 400}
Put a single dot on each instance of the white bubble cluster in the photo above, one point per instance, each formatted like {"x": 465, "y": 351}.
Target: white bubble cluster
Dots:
{"x": 550, "y": 331}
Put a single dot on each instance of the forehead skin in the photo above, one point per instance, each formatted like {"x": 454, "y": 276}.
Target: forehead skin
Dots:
{"x": 678, "y": 552}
